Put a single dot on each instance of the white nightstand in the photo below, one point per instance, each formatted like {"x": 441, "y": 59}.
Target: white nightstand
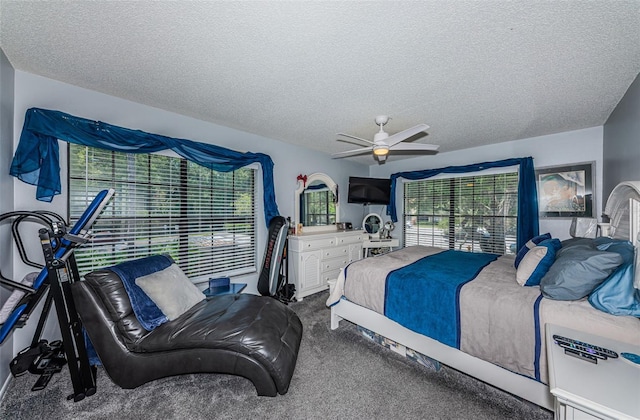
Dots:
{"x": 608, "y": 389}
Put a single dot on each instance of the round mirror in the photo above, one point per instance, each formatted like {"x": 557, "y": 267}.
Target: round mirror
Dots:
{"x": 372, "y": 223}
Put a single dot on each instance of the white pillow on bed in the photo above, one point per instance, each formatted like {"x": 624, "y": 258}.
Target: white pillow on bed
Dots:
{"x": 531, "y": 243}
{"x": 537, "y": 262}
{"x": 171, "y": 291}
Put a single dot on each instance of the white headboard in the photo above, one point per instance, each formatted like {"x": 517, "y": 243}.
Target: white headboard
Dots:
{"x": 623, "y": 207}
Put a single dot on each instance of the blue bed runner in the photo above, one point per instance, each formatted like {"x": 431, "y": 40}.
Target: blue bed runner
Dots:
{"x": 426, "y": 284}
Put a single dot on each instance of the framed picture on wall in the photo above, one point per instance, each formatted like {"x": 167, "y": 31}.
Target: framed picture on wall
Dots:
{"x": 566, "y": 191}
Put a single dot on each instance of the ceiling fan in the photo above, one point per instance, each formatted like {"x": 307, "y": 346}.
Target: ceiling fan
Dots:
{"x": 383, "y": 143}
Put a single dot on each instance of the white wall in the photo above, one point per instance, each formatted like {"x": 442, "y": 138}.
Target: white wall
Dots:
{"x": 555, "y": 149}
{"x": 6, "y": 201}
{"x": 289, "y": 160}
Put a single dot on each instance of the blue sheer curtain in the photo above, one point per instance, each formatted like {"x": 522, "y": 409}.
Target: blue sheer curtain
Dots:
{"x": 36, "y": 160}
{"x": 528, "y": 223}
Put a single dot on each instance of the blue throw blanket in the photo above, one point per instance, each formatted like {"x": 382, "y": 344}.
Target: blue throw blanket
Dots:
{"x": 147, "y": 312}
{"x": 426, "y": 284}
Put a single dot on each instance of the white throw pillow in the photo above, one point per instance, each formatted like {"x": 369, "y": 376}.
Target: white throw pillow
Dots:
{"x": 171, "y": 290}
{"x": 530, "y": 263}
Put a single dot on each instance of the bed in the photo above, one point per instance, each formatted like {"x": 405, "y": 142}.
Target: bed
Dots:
{"x": 491, "y": 327}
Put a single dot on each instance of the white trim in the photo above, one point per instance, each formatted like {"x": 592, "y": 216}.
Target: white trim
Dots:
{"x": 521, "y": 386}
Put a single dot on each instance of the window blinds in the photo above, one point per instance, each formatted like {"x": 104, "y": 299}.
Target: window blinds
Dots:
{"x": 471, "y": 213}
{"x": 204, "y": 219}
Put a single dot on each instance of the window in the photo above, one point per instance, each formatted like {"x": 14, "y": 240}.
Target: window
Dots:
{"x": 204, "y": 219}
{"x": 471, "y": 213}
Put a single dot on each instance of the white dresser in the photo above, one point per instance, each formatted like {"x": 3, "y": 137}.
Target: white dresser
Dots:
{"x": 316, "y": 258}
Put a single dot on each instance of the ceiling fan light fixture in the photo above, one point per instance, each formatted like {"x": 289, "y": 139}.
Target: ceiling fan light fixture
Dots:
{"x": 380, "y": 150}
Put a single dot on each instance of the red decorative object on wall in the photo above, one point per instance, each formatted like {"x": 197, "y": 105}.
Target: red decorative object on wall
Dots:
{"x": 303, "y": 178}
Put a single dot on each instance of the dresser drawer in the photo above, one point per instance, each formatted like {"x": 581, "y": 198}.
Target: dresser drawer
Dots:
{"x": 349, "y": 239}
{"x": 330, "y": 275}
{"x": 317, "y": 244}
{"x": 340, "y": 251}
{"x": 302, "y": 244}
{"x": 334, "y": 264}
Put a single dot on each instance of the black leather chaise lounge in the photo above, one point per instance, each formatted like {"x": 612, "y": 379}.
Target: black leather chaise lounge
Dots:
{"x": 251, "y": 336}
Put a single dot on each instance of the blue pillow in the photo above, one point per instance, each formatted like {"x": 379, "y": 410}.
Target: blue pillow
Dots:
{"x": 616, "y": 295}
{"x": 147, "y": 312}
{"x": 537, "y": 262}
{"x": 577, "y": 271}
{"x": 530, "y": 245}
{"x": 568, "y": 243}
{"x": 622, "y": 247}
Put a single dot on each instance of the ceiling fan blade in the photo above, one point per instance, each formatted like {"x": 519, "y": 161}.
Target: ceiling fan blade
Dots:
{"x": 418, "y": 147}
{"x": 403, "y": 135}
{"x": 354, "y": 138}
{"x": 352, "y": 152}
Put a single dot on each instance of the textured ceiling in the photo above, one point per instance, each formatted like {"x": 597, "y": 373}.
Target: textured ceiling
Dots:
{"x": 477, "y": 72}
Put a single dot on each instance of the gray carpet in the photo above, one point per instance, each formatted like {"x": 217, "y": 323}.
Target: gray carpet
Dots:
{"x": 339, "y": 374}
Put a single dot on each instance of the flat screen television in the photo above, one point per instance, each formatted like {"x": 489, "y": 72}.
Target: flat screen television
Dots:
{"x": 369, "y": 190}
